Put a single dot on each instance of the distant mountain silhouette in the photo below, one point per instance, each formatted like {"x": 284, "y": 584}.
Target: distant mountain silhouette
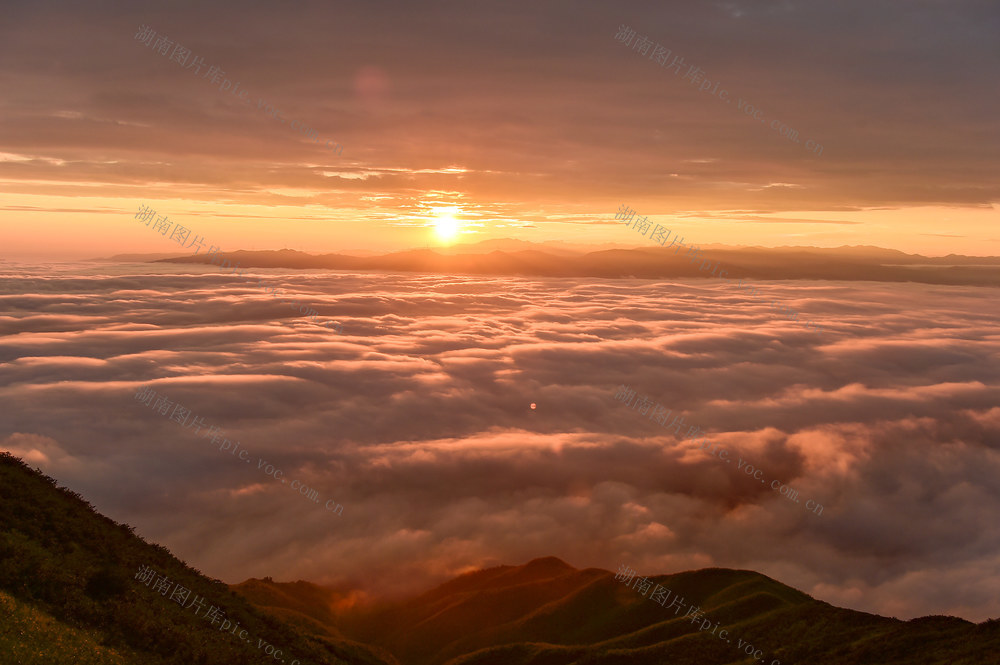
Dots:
{"x": 654, "y": 262}
{"x": 139, "y": 258}
{"x": 512, "y": 245}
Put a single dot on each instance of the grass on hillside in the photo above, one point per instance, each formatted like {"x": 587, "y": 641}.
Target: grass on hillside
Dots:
{"x": 28, "y": 636}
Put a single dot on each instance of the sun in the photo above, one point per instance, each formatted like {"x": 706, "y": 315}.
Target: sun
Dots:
{"x": 446, "y": 226}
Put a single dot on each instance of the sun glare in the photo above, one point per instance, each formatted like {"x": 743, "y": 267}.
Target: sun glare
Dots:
{"x": 446, "y": 225}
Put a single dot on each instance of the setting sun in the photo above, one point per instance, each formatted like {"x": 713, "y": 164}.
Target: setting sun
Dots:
{"x": 446, "y": 226}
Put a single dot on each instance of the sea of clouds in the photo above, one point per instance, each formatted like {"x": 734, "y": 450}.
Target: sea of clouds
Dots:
{"x": 417, "y": 419}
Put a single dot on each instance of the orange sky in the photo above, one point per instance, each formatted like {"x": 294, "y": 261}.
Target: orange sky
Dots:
{"x": 535, "y": 123}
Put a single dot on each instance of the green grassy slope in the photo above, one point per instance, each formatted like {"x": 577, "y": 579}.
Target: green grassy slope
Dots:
{"x": 28, "y": 636}
{"x": 548, "y": 613}
{"x": 60, "y": 558}
{"x": 309, "y": 601}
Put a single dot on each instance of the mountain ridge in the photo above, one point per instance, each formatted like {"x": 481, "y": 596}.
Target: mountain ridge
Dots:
{"x": 862, "y": 263}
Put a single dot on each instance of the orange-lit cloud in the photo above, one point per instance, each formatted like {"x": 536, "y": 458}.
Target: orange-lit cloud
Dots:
{"x": 416, "y": 418}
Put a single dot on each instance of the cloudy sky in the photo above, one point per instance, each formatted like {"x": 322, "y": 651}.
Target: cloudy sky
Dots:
{"x": 516, "y": 119}
{"x": 418, "y": 421}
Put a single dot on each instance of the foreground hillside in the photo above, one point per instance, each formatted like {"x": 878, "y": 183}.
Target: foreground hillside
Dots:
{"x": 549, "y": 613}
{"x": 28, "y": 636}
{"x": 69, "y": 594}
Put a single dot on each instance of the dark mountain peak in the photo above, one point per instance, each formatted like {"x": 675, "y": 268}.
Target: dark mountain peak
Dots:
{"x": 500, "y": 577}
{"x": 536, "y": 570}
{"x": 549, "y": 563}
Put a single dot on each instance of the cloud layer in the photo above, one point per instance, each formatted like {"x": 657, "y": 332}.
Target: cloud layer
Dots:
{"x": 417, "y": 420}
